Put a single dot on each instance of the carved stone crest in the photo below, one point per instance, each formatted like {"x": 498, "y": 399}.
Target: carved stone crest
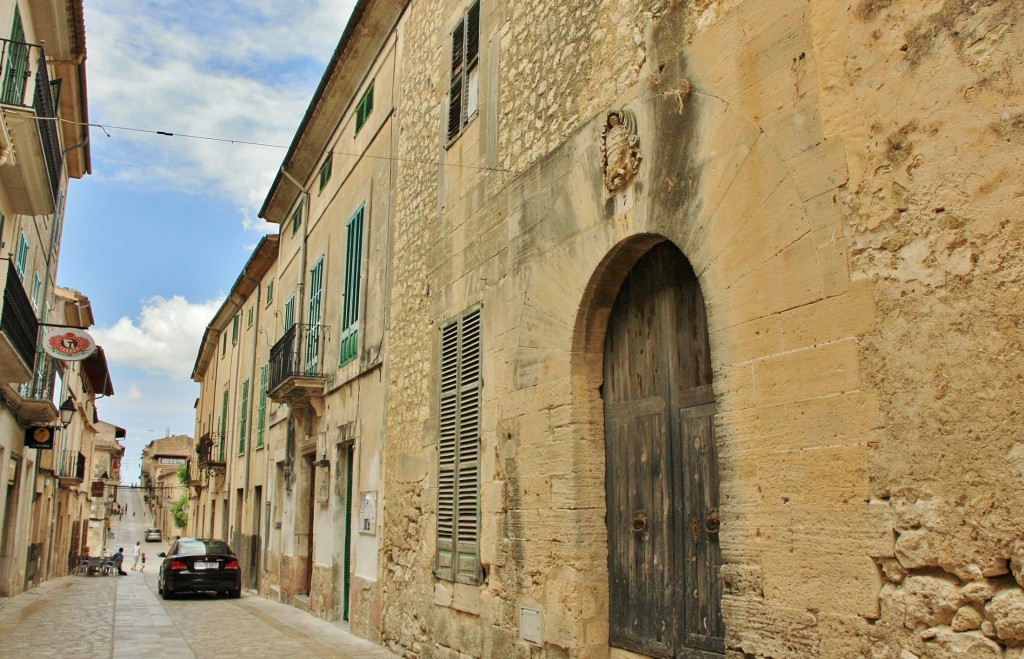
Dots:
{"x": 620, "y": 150}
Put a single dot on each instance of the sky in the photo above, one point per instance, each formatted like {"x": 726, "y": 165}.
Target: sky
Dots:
{"x": 158, "y": 233}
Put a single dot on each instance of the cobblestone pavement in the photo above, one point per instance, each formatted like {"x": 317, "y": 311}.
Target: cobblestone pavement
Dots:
{"x": 121, "y": 617}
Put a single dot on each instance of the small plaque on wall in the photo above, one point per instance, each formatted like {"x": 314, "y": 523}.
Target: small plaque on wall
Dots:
{"x": 323, "y": 483}
{"x": 368, "y": 512}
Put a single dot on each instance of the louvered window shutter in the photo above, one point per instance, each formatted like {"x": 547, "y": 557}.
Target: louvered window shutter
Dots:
{"x": 261, "y": 418}
{"x": 458, "y": 66}
{"x": 244, "y": 418}
{"x": 350, "y": 304}
{"x": 458, "y": 508}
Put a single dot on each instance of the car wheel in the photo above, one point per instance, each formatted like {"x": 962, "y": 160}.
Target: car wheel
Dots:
{"x": 167, "y": 595}
{"x": 235, "y": 594}
{"x": 159, "y": 588}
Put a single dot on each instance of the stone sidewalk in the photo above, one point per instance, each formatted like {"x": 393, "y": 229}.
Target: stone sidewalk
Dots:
{"x": 120, "y": 617}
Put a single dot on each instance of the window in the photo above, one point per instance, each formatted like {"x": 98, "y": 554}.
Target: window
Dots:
{"x": 235, "y": 322}
{"x": 223, "y": 426}
{"x": 316, "y": 286}
{"x": 458, "y": 449}
{"x": 364, "y": 108}
{"x": 270, "y": 291}
{"x": 325, "y": 171}
{"x": 223, "y": 344}
{"x": 17, "y": 71}
{"x": 289, "y": 312}
{"x": 350, "y": 301}
{"x": 261, "y": 415}
{"x": 249, "y": 322}
{"x": 55, "y": 94}
{"x": 242, "y": 420}
{"x": 37, "y": 287}
{"x": 297, "y": 218}
{"x": 463, "y": 99}
{"x": 22, "y": 260}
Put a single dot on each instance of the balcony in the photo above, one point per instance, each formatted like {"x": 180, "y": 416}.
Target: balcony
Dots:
{"x": 33, "y": 166}
{"x": 19, "y": 330}
{"x": 37, "y": 404}
{"x": 296, "y": 367}
{"x": 71, "y": 469}
{"x": 210, "y": 454}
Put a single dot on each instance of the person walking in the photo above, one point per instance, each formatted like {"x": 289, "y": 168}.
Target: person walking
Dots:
{"x": 143, "y": 568}
{"x": 135, "y": 554}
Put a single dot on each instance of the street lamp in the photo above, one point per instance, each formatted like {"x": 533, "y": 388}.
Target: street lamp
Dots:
{"x": 67, "y": 410}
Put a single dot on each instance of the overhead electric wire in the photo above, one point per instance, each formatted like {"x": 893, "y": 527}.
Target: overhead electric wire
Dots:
{"x": 208, "y": 138}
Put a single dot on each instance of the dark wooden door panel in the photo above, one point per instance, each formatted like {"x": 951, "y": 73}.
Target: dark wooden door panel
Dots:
{"x": 661, "y": 470}
{"x": 702, "y": 623}
{"x": 638, "y": 514}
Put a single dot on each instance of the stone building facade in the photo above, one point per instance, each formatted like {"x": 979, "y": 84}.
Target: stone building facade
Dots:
{"x": 699, "y": 331}
{"x": 161, "y": 460}
{"x": 47, "y": 510}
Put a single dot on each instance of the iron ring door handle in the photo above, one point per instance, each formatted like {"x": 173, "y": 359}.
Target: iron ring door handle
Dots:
{"x": 639, "y": 524}
{"x": 712, "y": 523}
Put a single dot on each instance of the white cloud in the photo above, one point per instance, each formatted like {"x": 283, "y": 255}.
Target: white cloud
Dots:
{"x": 134, "y": 392}
{"x": 236, "y": 70}
{"x": 164, "y": 339}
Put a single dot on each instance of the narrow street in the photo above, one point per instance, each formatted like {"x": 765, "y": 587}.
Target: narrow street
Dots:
{"x": 110, "y": 616}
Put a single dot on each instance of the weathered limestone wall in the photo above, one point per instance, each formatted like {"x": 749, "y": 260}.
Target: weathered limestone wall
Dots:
{"x": 927, "y": 99}
{"x": 862, "y": 296}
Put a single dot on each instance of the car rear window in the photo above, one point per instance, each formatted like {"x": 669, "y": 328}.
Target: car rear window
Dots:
{"x": 196, "y": 547}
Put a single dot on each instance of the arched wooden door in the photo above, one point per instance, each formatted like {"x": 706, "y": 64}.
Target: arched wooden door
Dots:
{"x": 661, "y": 474}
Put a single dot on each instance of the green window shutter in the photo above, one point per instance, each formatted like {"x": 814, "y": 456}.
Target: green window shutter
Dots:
{"x": 270, "y": 291}
{"x": 325, "y": 171}
{"x": 316, "y": 281}
{"x": 223, "y": 426}
{"x": 17, "y": 72}
{"x": 249, "y": 323}
{"x": 297, "y": 219}
{"x": 242, "y": 422}
{"x": 364, "y": 108}
{"x": 353, "y": 275}
{"x": 458, "y": 506}
{"x": 261, "y": 416}
{"x": 22, "y": 261}
{"x": 289, "y": 312}
{"x": 235, "y": 322}
{"x": 223, "y": 344}
{"x": 37, "y": 287}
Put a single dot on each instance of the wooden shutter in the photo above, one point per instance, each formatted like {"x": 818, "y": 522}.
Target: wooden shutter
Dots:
{"x": 458, "y": 69}
{"x": 468, "y": 470}
{"x": 223, "y": 426}
{"x": 458, "y": 506}
{"x": 242, "y": 423}
{"x": 261, "y": 417}
{"x": 316, "y": 281}
{"x": 350, "y": 303}
{"x": 289, "y": 312}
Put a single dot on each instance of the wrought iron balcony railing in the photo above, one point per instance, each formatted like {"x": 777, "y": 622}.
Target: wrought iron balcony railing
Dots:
{"x": 72, "y": 466}
{"x": 298, "y": 354}
{"x": 210, "y": 453}
{"x": 21, "y": 63}
{"x": 18, "y": 321}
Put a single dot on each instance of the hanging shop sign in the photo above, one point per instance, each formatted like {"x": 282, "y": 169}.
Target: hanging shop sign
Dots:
{"x": 68, "y": 344}
{"x": 39, "y": 437}
{"x": 97, "y": 488}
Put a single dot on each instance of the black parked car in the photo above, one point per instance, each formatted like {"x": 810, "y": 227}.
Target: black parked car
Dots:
{"x": 196, "y": 565}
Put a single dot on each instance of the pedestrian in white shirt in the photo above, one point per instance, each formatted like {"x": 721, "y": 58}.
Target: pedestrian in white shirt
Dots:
{"x": 136, "y": 550}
